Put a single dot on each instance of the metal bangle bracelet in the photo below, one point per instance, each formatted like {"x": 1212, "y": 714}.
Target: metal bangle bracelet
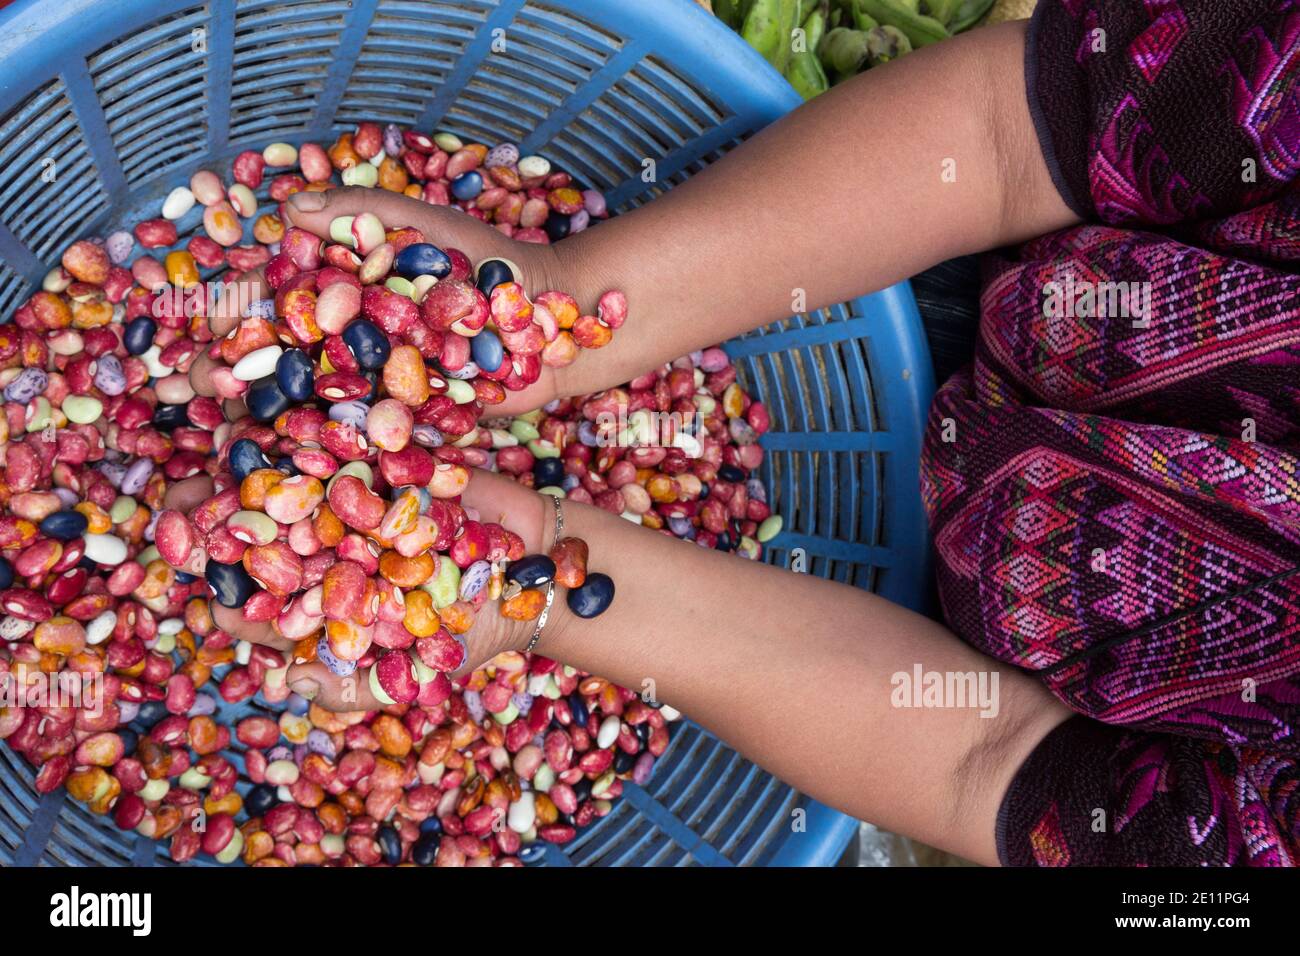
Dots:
{"x": 550, "y": 588}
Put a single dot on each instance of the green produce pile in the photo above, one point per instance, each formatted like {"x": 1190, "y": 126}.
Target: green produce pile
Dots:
{"x": 817, "y": 43}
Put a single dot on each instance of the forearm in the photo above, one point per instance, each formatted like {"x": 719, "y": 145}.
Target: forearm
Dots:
{"x": 844, "y": 196}
{"x": 795, "y": 673}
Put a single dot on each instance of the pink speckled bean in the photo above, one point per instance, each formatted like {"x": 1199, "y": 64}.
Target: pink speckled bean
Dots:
{"x": 534, "y": 214}
{"x": 38, "y": 558}
{"x": 180, "y": 694}
{"x": 294, "y": 498}
{"x": 402, "y": 517}
{"x": 419, "y": 539}
{"x": 155, "y": 233}
{"x": 303, "y": 538}
{"x": 207, "y": 187}
{"x": 225, "y": 384}
{"x": 342, "y": 589}
{"x": 100, "y": 750}
{"x": 149, "y": 272}
{"x": 449, "y": 480}
{"x": 410, "y": 466}
{"x": 221, "y": 223}
{"x": 462, "y": 161}
{"x": 356, "y": 505}
{"x": 303, "y": 247}
{"x": 275, "y": 567}
{"x": 295, "y": 622}
{"x": 248, "y": 168}
{"x": 389, "y": 424}
{"x": 315, "y": 462}
{"x": 396, "y": 676}
{"x": 126, "y": 577}
{"x": 314, "y": 163}
{"x": 337, "y": 305}
{"x": 22, "y": 467}
{"x": 175, "y": 537}
{"x": 389, "y": 310}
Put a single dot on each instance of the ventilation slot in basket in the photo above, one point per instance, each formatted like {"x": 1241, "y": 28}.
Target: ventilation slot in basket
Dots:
{"x": 626, "y": 837}
{"x": 646, "y": 115}
{"x": 407, "y": 55}
{"x": 283, "y": 51}
{"x": 540, "y": 63}
{"x": 529, "y": 70}
{"x": 48, "y": 185}
{"x": 153, "y": 89}
{"x": 13, "y": 291}
{"x": 18, "y": 801}
{"x": 73, "y": 843}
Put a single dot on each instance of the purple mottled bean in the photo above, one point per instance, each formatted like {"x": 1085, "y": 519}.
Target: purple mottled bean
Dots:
{"x": 336, "y": 664}
{"x": 260, "y": 309}
{"x": 119, "y": 246}
{"x": 136, "y": 477}
{"x": 29, "y": 383}
{"x": 467, "y": 371}
{"x": 109, "y": 375}
{"x": 504, "y": 154}
{"x": 204, "y": 706}
{"x": 473, "y": 579}
{"x": 593, "y": 202}
{"x": 392, "y": 139}
{"x": 474, "y": 704}
{"x": 319, "y": 742}
{"x": 644, "y": 766}
{"x": 426, "y": 436}
{"x": 350, "y": 413}
{"x": 113, "y": 472}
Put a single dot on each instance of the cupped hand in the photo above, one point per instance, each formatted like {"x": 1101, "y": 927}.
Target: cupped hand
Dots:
{"x": 442, "y": 225}
{"x": 494, "y": 497}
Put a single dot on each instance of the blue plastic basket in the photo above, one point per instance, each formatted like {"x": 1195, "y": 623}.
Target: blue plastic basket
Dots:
{"x": 130, "y": 97}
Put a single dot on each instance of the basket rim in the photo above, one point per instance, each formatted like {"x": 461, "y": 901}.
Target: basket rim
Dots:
{"x": 679, "y": 31}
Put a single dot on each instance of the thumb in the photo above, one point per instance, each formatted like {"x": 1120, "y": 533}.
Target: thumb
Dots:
{"x": 319, "y": 684}
{"x": 314, "y": 211}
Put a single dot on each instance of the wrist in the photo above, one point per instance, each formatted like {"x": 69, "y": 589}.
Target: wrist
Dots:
{"x": 576, "y": 266}
{"x": 552, "y": 640}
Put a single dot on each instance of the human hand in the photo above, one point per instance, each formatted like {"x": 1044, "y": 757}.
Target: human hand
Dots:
{"x": 540, "y": 270}
{"x": 494, "y": 497}
{"x": 446, "y": 226}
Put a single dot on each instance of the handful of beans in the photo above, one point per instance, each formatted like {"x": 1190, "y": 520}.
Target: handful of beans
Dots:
{"x": 94, "y": 373}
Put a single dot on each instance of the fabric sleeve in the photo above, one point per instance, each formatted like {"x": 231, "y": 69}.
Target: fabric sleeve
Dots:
{"x": 1095, "y": 795}
{"x": 1166, "y": 111}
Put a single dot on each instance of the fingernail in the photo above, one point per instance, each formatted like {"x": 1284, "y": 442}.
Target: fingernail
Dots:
{"x": 306, "y": 689}
{"x": 307, "y": 201}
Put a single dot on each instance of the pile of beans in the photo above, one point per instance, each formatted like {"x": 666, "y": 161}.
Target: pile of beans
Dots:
{"x": 100, "y": 418}
{"x": 674, "y": 450}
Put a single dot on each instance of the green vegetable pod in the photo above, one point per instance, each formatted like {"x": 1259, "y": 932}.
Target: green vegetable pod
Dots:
{"x": 843, "y": 51}
{"x": 886, "y": 43}
{"x": 921, "y": 30}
